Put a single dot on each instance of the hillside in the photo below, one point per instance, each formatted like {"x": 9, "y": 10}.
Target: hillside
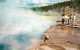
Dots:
{"x": 65, "y": 7}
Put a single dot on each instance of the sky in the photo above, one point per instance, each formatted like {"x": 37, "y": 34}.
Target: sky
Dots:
{"x": 33, "y": 3}
{"x": 40, "y": 2}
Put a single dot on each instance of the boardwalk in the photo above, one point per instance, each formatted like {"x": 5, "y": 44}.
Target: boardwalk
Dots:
{"x": 77, "y": 22}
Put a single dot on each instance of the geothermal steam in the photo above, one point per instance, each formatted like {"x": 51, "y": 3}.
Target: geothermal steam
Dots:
{"x": 19, "y": 28}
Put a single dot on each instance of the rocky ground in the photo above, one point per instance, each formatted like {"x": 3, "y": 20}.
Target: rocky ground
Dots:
{"x": 61, "y": 38}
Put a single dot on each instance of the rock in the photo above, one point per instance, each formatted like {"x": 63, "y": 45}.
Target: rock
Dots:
{"x": 69, "y": 42}
{"x": 48, "y": 46}
{"x": 61, "y": 38}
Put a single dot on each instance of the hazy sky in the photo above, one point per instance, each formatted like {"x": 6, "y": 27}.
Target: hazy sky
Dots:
{"x": 41, "y": 2}
{"x": 35, "y": 2}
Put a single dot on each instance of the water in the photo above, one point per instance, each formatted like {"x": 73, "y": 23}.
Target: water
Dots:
{"x": 20, "y": 28}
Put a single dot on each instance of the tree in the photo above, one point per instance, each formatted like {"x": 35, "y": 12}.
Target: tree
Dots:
{"x": 78, "y": 3}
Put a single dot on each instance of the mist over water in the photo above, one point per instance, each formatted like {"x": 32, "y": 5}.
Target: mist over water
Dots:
{"x": 20, "y": 29}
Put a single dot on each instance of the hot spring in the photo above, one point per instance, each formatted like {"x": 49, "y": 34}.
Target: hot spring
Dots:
{"x": 21, "y": 28}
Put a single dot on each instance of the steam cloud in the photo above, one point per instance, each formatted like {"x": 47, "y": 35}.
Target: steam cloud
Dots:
{"x": 20, "y": 29}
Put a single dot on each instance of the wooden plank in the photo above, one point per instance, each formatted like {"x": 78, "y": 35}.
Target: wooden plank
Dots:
{"x": 73, "y": 26}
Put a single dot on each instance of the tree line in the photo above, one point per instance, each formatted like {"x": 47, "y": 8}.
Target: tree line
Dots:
{"x": 72, "y": 3}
